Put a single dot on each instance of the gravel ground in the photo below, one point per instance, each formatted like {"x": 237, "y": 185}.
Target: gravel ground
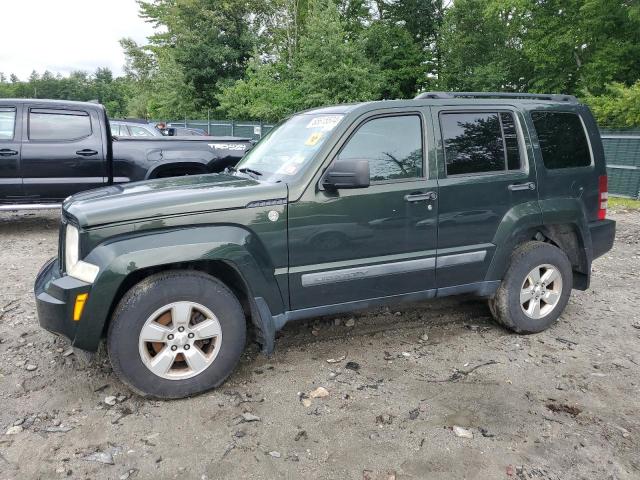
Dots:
{"x": 562, "y": 404}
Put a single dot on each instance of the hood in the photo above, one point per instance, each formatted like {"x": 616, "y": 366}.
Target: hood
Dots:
{"x": 168, "y": 196}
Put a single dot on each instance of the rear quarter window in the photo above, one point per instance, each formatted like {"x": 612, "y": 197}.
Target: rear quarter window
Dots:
{"x": 563, "y": 141}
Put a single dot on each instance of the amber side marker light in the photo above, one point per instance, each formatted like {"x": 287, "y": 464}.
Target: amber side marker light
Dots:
{"x": 81, "y": 299}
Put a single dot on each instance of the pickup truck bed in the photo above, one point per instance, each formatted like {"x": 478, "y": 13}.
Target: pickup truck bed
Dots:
{"x": 51, "y": 149}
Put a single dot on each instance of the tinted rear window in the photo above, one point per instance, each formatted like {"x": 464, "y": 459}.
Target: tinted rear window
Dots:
{"x": 480, "y": 142}
{"x": 47, "y": 124}
{"x": 563, "y": 142}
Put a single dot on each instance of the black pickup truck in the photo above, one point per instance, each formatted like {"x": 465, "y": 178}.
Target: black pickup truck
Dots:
{"x": 50, "y": 149}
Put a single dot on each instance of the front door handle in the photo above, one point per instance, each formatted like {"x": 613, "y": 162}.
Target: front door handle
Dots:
{"x": 86, "y": 152}
{"x": 420, "y": 197}
{"x": 514, "y": 187}
{"x": 7, "y": 152}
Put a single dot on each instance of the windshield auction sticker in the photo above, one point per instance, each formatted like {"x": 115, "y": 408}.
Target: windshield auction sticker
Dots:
{"x": 288, "y": 169}
{"x": 325, "y": 123}
{"x": 313, "y": 139}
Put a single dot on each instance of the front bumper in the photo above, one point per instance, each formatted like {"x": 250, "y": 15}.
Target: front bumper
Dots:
{"x": 55, "y": 299}
{"x": 603, "y": 234}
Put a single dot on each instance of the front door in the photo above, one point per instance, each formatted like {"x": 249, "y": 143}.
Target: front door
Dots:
{"x": 10, "y": 181}
{"x": 486, "y": 178}
{"x": 373, "y": 242}
{"x": 62, "y": 153}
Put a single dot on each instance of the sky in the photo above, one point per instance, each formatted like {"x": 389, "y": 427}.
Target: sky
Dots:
{"x": 66, "y": 35}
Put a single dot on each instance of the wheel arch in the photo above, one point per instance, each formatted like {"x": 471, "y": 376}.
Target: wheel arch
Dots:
{"x": 218, "y": 268}
{"x": 566, "y": 228}
{"x": 183, "y": 168}
{"x": 128, "y": 261}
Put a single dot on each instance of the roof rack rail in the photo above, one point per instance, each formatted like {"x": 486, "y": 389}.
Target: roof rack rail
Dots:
{"x": 554, "y": 97}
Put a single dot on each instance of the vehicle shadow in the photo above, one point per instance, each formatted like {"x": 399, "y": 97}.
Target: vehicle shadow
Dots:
{"x": 459, "y": 311}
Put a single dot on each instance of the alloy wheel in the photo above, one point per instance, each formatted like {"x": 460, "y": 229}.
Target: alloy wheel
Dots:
{"x": 180, "y": 340}
{"x": 541, "y": 291}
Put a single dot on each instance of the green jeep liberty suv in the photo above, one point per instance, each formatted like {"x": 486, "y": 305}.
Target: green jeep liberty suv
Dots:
{"x": 336, "y": 209}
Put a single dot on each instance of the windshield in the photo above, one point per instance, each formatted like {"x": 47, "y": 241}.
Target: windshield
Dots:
{"x": 286, "y": 149}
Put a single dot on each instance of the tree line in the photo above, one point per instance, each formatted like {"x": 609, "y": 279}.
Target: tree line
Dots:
{"x": 264, "y": 59}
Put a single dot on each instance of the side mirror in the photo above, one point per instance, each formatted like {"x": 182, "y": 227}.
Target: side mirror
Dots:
{"x": 347, "y": 174}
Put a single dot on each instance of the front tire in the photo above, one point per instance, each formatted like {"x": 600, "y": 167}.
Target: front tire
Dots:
{"x": 535, "y": 290}
{"x": 176, "y": 334}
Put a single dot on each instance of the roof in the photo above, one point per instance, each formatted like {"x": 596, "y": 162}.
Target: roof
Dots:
{"x": 452, "y": 98}
{"x": 53, "y": 103}
{"x": 332, "y": 109}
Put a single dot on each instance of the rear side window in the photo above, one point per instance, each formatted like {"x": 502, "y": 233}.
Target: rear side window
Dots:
{"x": 393, "y": 146}
{"x": 7, "y": 122}
{"x": 45, "y": 124}
{"x": 563, "y": 142}
{"x": 480, "y": 142}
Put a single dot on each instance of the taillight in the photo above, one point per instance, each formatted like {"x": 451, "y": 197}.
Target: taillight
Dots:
{"x": 603, "y": 195}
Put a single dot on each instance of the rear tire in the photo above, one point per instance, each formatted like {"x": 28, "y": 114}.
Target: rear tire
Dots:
{"x": 176, "y": 334}
{"x": 535, "y": 290}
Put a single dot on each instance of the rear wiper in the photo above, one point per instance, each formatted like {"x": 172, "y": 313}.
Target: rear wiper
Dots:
{"x": 250, "y": 171}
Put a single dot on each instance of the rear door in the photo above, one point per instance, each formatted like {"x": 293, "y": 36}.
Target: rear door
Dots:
{"x": 10, "y": 181}
{"x": 62, "y": 152}
{"x": 484, "y": 173}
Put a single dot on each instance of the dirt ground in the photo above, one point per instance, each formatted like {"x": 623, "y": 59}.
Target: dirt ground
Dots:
{"x": 563, "y": 404}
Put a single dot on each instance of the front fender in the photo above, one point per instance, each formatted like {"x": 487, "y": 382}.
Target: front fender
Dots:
{"x": 117, "y": 259}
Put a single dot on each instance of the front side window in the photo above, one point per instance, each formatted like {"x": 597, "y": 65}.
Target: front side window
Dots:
{"x": 45, "y": 124}
{"x": 563, "y": 142}
{"x": 392, "y": 145}
{"x": 480, "y": 142}
{"x": 7, "y": 122}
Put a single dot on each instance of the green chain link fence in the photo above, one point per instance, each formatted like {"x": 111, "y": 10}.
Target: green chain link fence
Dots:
{"x": 622, "y": 152}
{"x": 226, "y": 128}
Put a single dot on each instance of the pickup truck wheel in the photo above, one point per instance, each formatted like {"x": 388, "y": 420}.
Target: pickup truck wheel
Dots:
{"x": 176, "y": 334}
{"x": 535, "y": 289}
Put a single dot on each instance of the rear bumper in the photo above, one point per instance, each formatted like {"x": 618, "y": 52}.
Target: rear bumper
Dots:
{"x": 55, "y": 299}
{"x": 603, "y": 234}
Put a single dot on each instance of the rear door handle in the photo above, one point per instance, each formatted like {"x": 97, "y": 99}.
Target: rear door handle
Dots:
{"x": 420, "y": 197}
{"x": 514, "y": 187}
{"x": 86, "y": 152}
{"x": 7, "y": 152}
